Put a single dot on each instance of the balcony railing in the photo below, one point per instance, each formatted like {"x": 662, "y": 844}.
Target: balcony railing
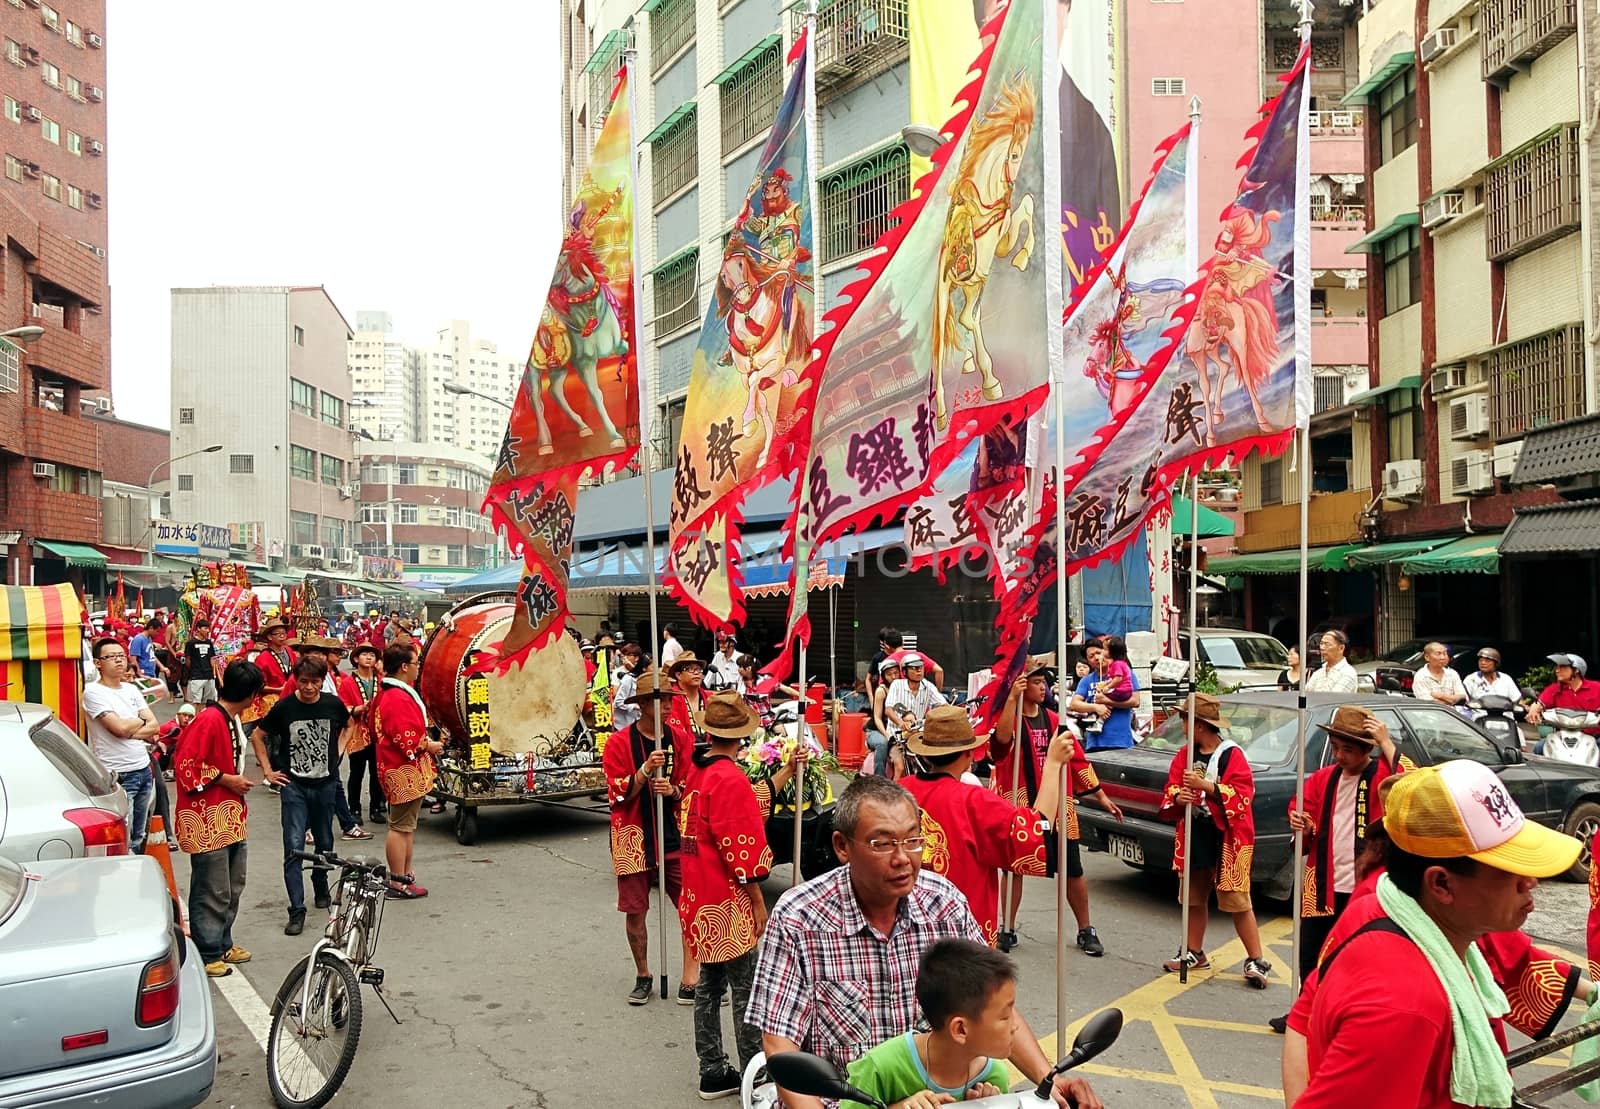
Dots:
{"x": 1514, "y": 32}
{"x": 1322, "y": 211}
{"x": 1329, "y": 391}
{"x": 1532, "y": 194}
{"x": 1343, "y": 122}
{"x": 857, "y": 40}
{"x": 1535, "y": 381}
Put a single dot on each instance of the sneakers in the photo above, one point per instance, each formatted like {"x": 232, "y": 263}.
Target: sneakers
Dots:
{"x": 1195, "y": 960}
{"x": 1257, "y": 972}
{"x": 356, "y": 831}
{"x": 218, "y": 969}
{"x": 407, "y": 892}
{"x": 1280, "y": 1025}
{"x": 236, "y": 954}
{"x": 640, "y": 992}
{"x": 297, "y": 922}
{"x": 686, "y": 996}
{"x": 322, "y": 901}
{"x": 1089, "y": 942}
{"x": 713, "y": 1086}
{"x": 1006, "y": 940}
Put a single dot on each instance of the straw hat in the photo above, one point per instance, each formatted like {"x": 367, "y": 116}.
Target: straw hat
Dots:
{"x": 685, "y": 659}
{"x": 363, "y": 647}
{"x": 727, "y": 716}
{"x": 1206, "y": 707}
{"x": 946, "y": 730}
{"x": 271, "y": 622}
{"x": 1349, "y": 723}
{"x": 1041, "y": 664}
{"x": 649, "y": 690}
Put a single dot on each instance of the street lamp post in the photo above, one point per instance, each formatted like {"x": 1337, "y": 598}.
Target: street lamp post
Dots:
{"x": 149, "y": 481}
{"x": 461, "y": 390}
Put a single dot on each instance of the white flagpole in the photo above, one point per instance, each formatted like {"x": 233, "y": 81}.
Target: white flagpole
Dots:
{"x": 647, "y": 473}
{"x": 1009, "y": 880}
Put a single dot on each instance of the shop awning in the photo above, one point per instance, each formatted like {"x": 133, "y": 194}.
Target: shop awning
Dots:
{"x": 1381, "y": 76}
{"x": 1471, "y": 554}
{"x": 1369, "y": 244}
{"x": 1559, "y": 529}
{"x": 1372, "y": 396}
{"x": 76, "y": 554}
{"x": 1279, "y": 562}
{"x": 1365, "y": 558}
{"x": 1212, "y": 524}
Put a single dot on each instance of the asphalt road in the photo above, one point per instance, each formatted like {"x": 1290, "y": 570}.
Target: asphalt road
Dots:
{"x": 509, "y": 980}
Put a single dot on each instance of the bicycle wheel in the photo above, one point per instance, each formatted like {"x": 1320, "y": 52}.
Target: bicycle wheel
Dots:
{"x": 309, "y": 1054}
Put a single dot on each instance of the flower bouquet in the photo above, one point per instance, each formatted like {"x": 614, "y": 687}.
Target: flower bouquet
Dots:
{"x": 770, "y": 751}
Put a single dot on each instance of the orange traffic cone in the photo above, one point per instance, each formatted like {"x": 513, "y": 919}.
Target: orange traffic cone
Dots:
{"x": 155, "y": 845}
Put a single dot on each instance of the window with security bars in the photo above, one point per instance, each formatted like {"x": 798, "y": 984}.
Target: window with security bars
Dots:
{"x": 1535, "y": 381}
{"x": 10, "y": 366}
{"x": 602, "y": 70}
{"x": 677, "y": 293}
{"x": 857, "y": 200}
{"x": 1533, "y": 194}
{"x": 671, "y": 28}
{"x": 750, "y": 99}
{"x": 241, "y": 464}
{"x": 675, "y": 158}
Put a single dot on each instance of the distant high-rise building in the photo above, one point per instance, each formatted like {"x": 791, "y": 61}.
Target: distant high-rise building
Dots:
{"x": 469, "y": 420}
{"x": 385, "y": 379}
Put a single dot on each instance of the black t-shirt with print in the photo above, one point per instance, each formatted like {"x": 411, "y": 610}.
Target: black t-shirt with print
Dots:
{"x": 199, "y": 652}
{"x": 303, "y": 740}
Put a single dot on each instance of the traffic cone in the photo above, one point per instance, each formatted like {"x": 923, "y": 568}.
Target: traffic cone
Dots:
{"x": 155, "y": 845}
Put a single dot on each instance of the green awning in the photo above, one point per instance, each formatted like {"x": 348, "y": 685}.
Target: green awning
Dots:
{"x": 1278, "y": 562}
{"x": 267, "y": 577}
{"x": 1212, "y": 524}
{"x": 684, "y": 109}
{"x": 1381, "y": 76}
{"x": 76, "y": 554}
{"x": 1471, "y": 554}
{"x": 1365, "y": 558}
{"x": 606, "y": 52}
{"x": 745, "y": 59}
{"x": 1372, "y": 242}
{"x": 1372, "y": 396}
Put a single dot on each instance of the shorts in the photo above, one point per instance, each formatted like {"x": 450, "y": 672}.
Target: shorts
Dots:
{"x": 201, "y": 690}
{"x": 633, "y": 890}
{"x": 403, "y": 815}
{"x": 1202, "y": 881}
{"x": 1074, "y": 860}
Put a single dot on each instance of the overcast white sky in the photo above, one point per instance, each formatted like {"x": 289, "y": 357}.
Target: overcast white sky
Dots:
{"x": 403, "y": 153}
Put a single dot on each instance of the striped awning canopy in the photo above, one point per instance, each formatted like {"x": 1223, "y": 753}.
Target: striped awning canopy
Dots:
{"x": 40, "y": 622}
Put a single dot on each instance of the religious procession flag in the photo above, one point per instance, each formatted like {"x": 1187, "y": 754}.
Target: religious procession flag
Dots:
{"x": 748, "y": 384}
{"x": 1242, "y": 379}
{"x": 117, "y": 603}
{"x": 577, "y": 408}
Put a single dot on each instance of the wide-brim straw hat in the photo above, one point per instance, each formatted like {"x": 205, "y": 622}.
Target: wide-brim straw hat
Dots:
{"x": 1041, "y": 664}
{"x": 1205, "y": 707}
{"x": 728, "y": 716}
{"x": 686, "y": 659}
{"x": 272, "y": 622}
{"x": 946, "y": 730}
{"x": 648, "y": 689}
{"x": 360, "y": 648}
{"x": 1348, "y": 723}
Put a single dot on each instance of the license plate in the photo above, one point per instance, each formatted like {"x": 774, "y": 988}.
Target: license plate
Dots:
{"x": 1126, "y": 849}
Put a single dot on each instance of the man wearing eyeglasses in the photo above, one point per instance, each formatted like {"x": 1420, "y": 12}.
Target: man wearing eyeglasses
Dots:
{"x": 837, "y": 967}
{"x": 121, "y": 729}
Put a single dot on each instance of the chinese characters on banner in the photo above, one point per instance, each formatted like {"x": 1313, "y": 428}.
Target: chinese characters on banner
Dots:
{"x": 577, "y": 407}
{"x": 477, "y": 719}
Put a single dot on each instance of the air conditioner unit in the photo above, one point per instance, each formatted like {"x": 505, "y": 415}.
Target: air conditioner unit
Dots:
{"x": 31, "y": 169}
{"x": 1441, "y": 208}
{"x": 95, "y": 93}
{"x": 1402, "y": 479}
{"x": 44, "y": 469}
{"x": 31, "y": 114}
{"x": 349, "y": 556}
{"x": 95, "y": 147}
{"x": 94, "y": 200}
{"x": 347, "y": 491}
{"x": 1448, "y": 378}
{"x": 102, "y": 404}
{"x": 1437, "y": 43}
{"x": 1469, "y": 417}
{"x": 310, "y": 550}
{"x": 1472, "y": 472}
{"x": 1505, "y": 458}
{"x": 95, "y": 40}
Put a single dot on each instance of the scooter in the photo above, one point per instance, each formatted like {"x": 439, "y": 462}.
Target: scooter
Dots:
{"x": 1498, "y": 716}
{"x": 1569, "y": 742}
{"x": 804, "y": 1073}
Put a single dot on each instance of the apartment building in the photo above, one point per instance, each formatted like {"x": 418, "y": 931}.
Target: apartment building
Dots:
{"x": 385, "y": 380}
{"x": 55, "y": 324}
{"x": 263, "y": 373}
{"x": 1477, "y": 293}
{"x": 467, "y": 387}
{"x": 420, "y": 503}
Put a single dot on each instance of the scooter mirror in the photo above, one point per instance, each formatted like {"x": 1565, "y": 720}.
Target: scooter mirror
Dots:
{"x": 1098, "y": 1033}
{"x": 801, "y": 1072}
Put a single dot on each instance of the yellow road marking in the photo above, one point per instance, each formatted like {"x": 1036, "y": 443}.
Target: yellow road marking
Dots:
{"x": 1173, "y": 1080}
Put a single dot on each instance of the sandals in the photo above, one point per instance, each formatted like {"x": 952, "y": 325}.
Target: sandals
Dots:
{"x": 436, "y": 807}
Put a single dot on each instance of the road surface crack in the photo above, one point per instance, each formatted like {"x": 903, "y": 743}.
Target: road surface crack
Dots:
{"x": 500, "y": 1070}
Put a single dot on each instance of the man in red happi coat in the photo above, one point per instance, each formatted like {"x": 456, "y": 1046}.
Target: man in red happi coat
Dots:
{"x": 276, "y": 661}
{"x": 971, "y": 833}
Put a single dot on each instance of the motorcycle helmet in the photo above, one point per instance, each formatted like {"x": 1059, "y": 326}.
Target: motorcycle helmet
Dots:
{"x": 1490, "y": 653}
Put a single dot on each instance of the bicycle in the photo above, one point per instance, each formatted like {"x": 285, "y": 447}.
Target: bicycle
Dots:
{"x": 316, "y": 1015}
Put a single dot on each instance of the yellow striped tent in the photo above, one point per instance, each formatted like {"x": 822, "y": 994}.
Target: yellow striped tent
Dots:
{"x": 41, "y": 648}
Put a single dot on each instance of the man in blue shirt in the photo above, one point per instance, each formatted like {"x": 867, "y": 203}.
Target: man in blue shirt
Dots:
{"x": 143, "y": 651}
{"x": 1111, "y": 722}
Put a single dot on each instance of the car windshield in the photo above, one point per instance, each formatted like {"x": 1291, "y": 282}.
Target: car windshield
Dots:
{"x": 1227, "y": 652}
{"x": 12, "y": 882}
{"x": 1266, "y": 733}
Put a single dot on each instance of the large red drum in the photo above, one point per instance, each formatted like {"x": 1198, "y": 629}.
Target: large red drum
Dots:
{"x": 532, "y": 708}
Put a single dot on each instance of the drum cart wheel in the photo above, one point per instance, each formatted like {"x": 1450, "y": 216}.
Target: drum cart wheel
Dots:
{"x": 466, "y": 825}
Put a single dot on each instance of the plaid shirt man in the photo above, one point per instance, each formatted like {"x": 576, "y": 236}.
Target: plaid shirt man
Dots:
{"x": 834, "y": 985}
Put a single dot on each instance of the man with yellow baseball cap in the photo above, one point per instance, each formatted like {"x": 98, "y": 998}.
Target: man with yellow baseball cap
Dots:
{"x": 1401, "y": 968}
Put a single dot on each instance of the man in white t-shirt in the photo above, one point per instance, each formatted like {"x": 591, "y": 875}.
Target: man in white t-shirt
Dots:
{"x": 1436, "y": 680}
{"x": 910, "y": 697}
{"x": 1487, "y": 679}
{"x": 670, "y": 647}
{"x": 120, "y": 724}
{"x": 725, "y": 663}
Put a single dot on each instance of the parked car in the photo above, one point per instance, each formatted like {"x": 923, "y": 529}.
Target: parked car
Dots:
{"x": 1265, "y": 725}
{"x": 105, "y": 999}
{"x": 1396, "y": 668}
{"x": 1243, "y": 660}
{"x": 56, "y": 800}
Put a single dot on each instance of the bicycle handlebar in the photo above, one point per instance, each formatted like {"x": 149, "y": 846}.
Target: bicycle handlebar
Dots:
{"x": 329, "y": 860}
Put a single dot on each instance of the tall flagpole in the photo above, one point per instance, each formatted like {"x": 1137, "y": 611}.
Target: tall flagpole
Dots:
{"x": 1303, "y": 446}
{"x": 647, "y": 472}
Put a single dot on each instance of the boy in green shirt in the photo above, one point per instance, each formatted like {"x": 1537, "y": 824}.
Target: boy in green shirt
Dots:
{"x": 968, "y": 994}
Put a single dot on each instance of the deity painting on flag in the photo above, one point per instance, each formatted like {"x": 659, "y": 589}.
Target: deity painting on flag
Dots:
{"x": 747, "y": 381}
{"x": 577, "y": 406}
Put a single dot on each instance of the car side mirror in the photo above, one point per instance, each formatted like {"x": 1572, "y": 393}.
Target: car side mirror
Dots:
{"x": 1512, "y": 754}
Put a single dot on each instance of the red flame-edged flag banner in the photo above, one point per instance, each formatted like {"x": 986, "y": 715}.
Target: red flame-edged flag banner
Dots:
{"x": 748, "y": 385}
{"x": 945, "y": 333}
{"x": 577, "y": 408}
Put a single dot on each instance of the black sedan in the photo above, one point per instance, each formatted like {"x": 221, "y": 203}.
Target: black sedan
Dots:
{"x": 1556, "y": 794}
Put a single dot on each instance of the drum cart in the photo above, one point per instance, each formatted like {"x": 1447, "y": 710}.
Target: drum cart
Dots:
{"x": 1536, "y": 1095}
{"x": 559, "y": 777}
